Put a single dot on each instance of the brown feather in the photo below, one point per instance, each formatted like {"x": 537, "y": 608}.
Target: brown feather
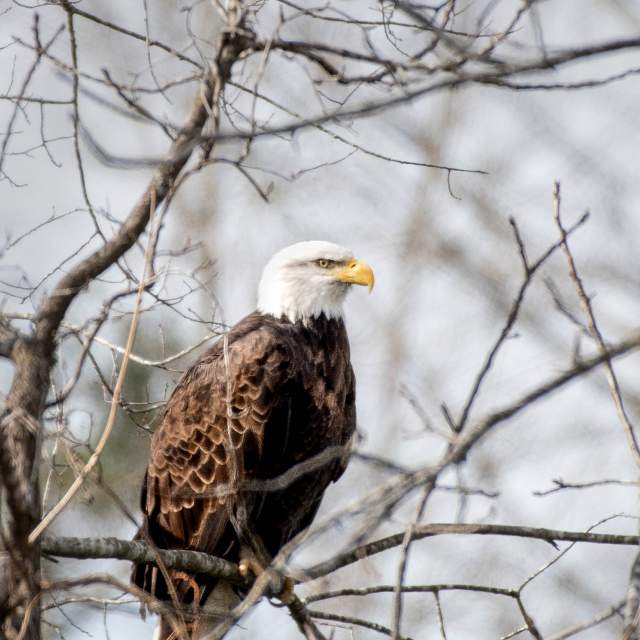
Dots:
{"x": 283, "y": 393}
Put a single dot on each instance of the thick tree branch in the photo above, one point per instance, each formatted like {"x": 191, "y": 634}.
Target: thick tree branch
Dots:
{"x": 198, "y": 562}
{"x": 140, "y": 552}
{"x": 429, "y": 530}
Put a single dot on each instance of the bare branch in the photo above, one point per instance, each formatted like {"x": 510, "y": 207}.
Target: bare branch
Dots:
{"x": 140, "y": 552}
{"x": 27, "y": 79}
{"x": 574, "y": 630}
{"x": 530, "y": 271}
{"x": 358, "y": 622}
{"x": 632, "y": 607}
{"x": 561, "y": 484}
{"x": 585, "y": 301}
{"x": 132, "y": 34}
{"x": 426, "y": 588}
{"x": 429, "y": 530}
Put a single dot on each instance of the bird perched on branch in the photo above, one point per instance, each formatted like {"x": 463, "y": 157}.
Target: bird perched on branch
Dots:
{"x": 254, "y": 432}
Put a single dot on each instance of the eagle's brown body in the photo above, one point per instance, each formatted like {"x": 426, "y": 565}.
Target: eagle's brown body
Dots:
{"x": 269, "y": 395}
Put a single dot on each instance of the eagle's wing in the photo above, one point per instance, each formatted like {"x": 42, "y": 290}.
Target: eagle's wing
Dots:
{"x": 227, "y": 397}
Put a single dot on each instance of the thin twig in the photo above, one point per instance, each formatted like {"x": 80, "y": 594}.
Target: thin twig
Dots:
{"x": 358, "y": 622}
{"x": 561, "y": 484}
{"x": 111, "y": 419}
{"x": 585, "y": 301}
{"x": 573, "y": 630}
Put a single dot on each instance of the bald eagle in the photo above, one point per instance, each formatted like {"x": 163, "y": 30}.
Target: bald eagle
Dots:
{"x": 275, "y": 391}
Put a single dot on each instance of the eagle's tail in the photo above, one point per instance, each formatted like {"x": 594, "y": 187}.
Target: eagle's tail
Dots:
{"x": 147, "y": 576}
{"x": 213, "y": 601}
{"x": 217, "y": 606}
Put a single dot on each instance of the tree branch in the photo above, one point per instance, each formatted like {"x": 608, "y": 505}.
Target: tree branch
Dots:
{"x": 198, "y": 562}
{"x": 430, "y": 530}
{"x": 140, "y": 553}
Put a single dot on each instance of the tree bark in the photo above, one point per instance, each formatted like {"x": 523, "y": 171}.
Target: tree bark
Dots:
{"x": 19, "y": 430}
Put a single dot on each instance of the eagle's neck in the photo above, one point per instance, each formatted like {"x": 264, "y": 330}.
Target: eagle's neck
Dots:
{"x": 300, "y": 303}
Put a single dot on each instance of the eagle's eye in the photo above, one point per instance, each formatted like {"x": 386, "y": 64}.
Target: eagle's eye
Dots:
{"x": 322, "y": 263}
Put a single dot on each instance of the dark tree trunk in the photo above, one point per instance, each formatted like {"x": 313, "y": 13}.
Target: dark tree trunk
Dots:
{"x": 19, "y": 430}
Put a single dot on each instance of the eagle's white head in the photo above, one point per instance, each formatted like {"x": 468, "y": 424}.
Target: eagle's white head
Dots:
{"x": 307, "y": 279}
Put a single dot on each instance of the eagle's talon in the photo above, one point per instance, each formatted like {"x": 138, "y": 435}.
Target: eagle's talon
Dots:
{"x": 190, "y": 581}
{"x": 248, "y": 566}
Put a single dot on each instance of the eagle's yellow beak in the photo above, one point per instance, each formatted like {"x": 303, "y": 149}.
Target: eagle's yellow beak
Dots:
{"x": 356, "y": 272}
